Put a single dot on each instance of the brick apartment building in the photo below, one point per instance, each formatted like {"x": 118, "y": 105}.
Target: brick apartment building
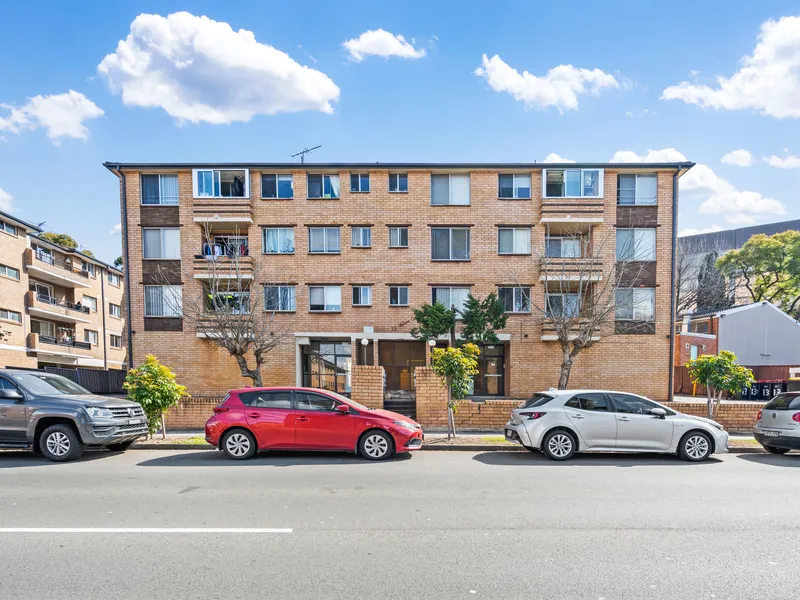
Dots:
{"x": 349, "y": 249}
{"x": 58, "y": 306}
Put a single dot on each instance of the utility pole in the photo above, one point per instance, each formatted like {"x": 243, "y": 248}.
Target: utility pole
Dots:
{"x": 303, "y": 152}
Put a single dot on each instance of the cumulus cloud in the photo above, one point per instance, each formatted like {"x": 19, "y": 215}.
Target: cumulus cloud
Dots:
{"x": 717, "y": 195}
{"x": 379, "y": 42}
{"x": 698, "y": 230}
{"x": 201, "y": 70}
{"x": 768, "y": 81}
{"x": 788, "y": 162}
{"x": 60, "y": 115}
{"x": 6, "y": 201}
{"x": 739, "y": 158}
{"x": 555, "y": 158}
{"x": 559, "y": 87}
{"x": 116, "y": 229}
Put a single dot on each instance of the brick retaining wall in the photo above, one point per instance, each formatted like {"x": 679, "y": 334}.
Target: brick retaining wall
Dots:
{"x": 191, "y": 413}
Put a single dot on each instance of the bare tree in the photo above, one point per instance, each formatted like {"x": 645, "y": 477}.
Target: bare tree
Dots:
{"x": 236, "y": 304}
{"x": 690, "y": 259}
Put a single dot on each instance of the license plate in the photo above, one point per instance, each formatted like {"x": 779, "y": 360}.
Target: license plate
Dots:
{"x": 134, "y": 421}
{"x": 770, "y": 433}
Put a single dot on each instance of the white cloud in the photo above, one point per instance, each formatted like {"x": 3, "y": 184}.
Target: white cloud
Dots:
{"x": 379, "y": 42}
{"x": 200, "y": 70}
{"x": 717, "y": 195}
{"x": 559, "y": 87}
{"x": 739, "y": 158}
{"x": 6, "y": 201}
{"x": 60, "y": 115}
{"x": 555, "y": 158}
{"x": 697, "y": 231}
{"x": 790, "y": 162}
{"x": 768, "y": 81}
{"x": 116, "y": 229}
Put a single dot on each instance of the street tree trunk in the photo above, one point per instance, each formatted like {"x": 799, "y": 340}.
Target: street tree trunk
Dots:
{"x": 451, "y": 419}
{"x": 566, "y": 367}
{"x": 709, "y": 402}
{"x": 163, "y": 427}
{"x": 254, "y": 374}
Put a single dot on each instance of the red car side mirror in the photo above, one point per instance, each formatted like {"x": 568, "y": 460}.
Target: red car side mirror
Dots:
{"x": 342, "y": 408}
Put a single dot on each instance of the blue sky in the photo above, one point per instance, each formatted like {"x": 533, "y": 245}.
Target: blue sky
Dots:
{"x": 402, "y": 107}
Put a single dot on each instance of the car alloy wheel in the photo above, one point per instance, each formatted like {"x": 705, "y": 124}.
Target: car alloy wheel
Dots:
{"x": 376, "y": 446}
{"x": 58, "y": 444}
{"x": 560, "y": 445}
{"x": 696, "y": 447}
{"x": 237, "y": 445}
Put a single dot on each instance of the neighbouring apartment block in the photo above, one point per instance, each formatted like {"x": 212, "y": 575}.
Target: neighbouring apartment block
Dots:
{"x": 58, "y": 306}
{"x": 345, "y": 251}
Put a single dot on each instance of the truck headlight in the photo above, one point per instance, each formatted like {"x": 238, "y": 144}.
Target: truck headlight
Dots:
{"x": 95, "y": 412}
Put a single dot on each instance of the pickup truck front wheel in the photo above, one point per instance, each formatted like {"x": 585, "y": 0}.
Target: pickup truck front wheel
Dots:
{"x": 61, "y": 443}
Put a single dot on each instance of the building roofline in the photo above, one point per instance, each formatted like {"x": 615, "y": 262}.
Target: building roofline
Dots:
{"x": 741, "y": 308}
{"x": 19, "y": 222}
{"x": 76, "y": 252}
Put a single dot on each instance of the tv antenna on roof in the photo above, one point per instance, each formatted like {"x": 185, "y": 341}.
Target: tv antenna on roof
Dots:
{"x": 303, "y": 152}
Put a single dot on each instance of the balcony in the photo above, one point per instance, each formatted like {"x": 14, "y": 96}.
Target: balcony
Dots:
{"x": 51, "y": 346}
{"x": 223, "y": 267}
{"x": 573, "y": 210}
{"x": 51, "y": 308}
{"x": 223, "y": 211}
{"x": 550, "y": 332}
{"x": 52, "y": 270}
{"x": 570, "y": 268}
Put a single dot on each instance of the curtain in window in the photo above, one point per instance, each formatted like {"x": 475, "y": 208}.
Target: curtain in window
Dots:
{"x": 171, "y": 243}
{"x": 522, "y": 241}
{"x": 150, "y": 189}
{"x": 169, "y": 189}
{"x": 332, "y": 239}
{"x": 442, "y": 296}
{"x": 571, "y": 248}
{"x": 287, "y": 298}
{"x": 440, "y": 189}
{"x": 151, "y": 243}
{"x": 645, "y": 244}
{"x": 172, "y": 300}
{"x": 459, "y": 189}
{"x": 316, "y": 298}
{"x": 331, "y": 186}
{"x": 626, "y": 192}
{"x": 460, "y": 244}
{"x": 646, "y": 189}
{"x": 522, "y": 300}
{"x": 153, "y": 301}
{"x": 316, "y": 240}
{"x": 458, "y": 297}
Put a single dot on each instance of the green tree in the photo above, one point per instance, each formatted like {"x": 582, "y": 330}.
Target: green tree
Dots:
{"x": 481, "y": 318}
{"x": 455, "y": 367}
{"x": 118, "y": 262}
{"x": 433, "y": 320}
{"x": 62, "y": 239}
{"x": 712, "y": 288}
{"x": 719, "y": 373}
{"x": 153, "y": 385}
{"x": 87, "y": 252}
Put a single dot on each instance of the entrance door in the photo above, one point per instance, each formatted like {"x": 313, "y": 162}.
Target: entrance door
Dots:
{"x": 490, "y": 380}
{"x": 399, "y": 359}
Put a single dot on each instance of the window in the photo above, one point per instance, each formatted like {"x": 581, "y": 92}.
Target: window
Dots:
{"x": 279, "y": 187}
{"x": 228, "y": 302}
{"x": 636, "y": 244}
{"x": 90, "y": 302}
{"x": 231, "y": 246}
{"x": 516, "y": 299}
{"x": 699, "y": 326}
{"x": 279, "y": 298}
{"x": 398, "y": 295}
{"x": 451, "y": 296}
{"x": 114, "y": 340}
{"x": 323, "y": 240}
{"x": 325, "y": 298}
{"x": 359, "y": 182}
{"x": 9, "y": 272}
{"x": 398, "y": 182}
{"x": 361, "y": 237}
{"x": 398, "y": 237}
{"x": 306, "y": 401}
{"x": 562, "y": 305}
{"x": 159, "y": 189}
{"x": 563, "y": 247}
{"x": 784, "y": 401}
{"x": 90, "y": 337}
{"x": 323, "y": 186}
{"x": 113, "y": 278}
{"x": 452, "y": 190}
{"x": 10, "y": 315}
{"x": 8, "y": 228}
{"x": 514, "y": 186}
{"x": 514, "y": 240}
{"x": 573, "y": 183}
{"x": 637, "y": 189}
{"x": 636, "y": 304}
{"x": 626, "y": 403}
{"x": 163, "y": 300}
{"x": 593, "y": 402}
{"x": 450, "y": 243}
{"x": 87, "y": 267}
{"x": 362, "y": 295}
{"x": 326, "y": 365}
{"x": 232, "y": 183}
{"x": 693, "y": 352}
{"x": 278, "y": 240}
{"x": 161, "y": 243}
{"x": 44, "y": 291}
{"x": 281, "y": 400}
{"x": 45, "y": 328}
{"x": 115, "y": 310}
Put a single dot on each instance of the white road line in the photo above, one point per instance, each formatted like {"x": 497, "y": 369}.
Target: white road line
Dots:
{"x": 141, "y": 530}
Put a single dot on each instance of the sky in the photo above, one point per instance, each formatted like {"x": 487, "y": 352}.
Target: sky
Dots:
{"x": 716, "y": 83}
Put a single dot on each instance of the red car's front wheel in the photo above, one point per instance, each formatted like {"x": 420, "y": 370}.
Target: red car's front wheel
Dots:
{"x": 376, "y": 445}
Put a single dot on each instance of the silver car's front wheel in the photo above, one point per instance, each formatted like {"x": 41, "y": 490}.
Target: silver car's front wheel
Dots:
{"x": 558, "y": 445}
{"x": 239, "y": 444}
{"x": 695, "y": 446}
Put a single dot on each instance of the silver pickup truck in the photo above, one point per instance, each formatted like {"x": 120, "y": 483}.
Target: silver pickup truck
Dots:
{"x": 58, "y": 418}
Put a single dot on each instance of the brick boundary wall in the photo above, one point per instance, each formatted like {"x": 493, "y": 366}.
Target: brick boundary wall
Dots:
{"x": 191, "y": 413}
{"x": 367, "y": 385}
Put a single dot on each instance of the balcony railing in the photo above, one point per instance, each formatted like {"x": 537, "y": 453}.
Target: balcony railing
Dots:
{"x": 62, "y": 303}
{"x": 51, "y": 260}
{"x": 71, "y": 343}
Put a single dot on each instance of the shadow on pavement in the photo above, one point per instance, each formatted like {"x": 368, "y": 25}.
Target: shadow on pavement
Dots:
{"x": 774, "y": 460}
{"x": 215, "y": 458}
{"x": 10, "y": 459}
{"x": 536, "y": 459}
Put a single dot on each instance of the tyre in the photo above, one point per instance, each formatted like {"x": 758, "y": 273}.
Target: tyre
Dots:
{"x": 61, "y": 443}
{"x": 239, "y": 444}
{"x": 695, "y": 446}
{"x": 774, "y": 450}
{"x": 121, "y": 447}
{"x": 558, "y": 445}
{"x": 375, "y": 445}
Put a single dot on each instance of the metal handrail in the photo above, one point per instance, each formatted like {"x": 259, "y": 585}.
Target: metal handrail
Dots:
{"x": 51, "y": 260}
{"x": 48, "y": 339}
{"x": 62, "y": 303}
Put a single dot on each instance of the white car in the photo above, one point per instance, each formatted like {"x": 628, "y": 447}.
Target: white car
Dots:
{"x": 563, "y": 422}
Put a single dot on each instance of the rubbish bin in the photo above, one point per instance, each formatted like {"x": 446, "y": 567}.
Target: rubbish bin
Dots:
{"x": 755, "y": 391}
{"x": 778, "y": 387}
{"x": 765, "y": 390}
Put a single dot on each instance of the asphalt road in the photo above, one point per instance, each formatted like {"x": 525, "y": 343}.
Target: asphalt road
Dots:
{"x": 437, "y": 525}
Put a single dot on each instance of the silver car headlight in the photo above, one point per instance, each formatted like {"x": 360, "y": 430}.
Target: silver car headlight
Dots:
{"x": 95, "y": 412}
{"x": 405, "y": 425}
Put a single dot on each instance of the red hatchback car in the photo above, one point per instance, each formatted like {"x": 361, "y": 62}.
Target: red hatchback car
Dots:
{"x": 294, "y": 418}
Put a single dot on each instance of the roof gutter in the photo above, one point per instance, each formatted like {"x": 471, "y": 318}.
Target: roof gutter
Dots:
{"x": 672, "y": 277}
{"x": 126, "y": 272}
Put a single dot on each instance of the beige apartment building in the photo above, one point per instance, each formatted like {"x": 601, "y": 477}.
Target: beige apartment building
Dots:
{"x": 345, "y": 251}
{"x": 58, "y": 306}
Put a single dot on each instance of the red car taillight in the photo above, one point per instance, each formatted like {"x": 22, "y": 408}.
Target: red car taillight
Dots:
{"x": 532, "y": 416}
{"x": 758, "y": 416}
{"x": 796, "y": 417}
{"x": 218, "y": 410}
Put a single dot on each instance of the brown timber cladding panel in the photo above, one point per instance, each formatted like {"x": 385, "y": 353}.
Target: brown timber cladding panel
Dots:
{"x": 639, "y": 273}
{"x": 161, "y": 272}
{"x": 637, "y": 216}
{"x": 163, "y": 324}
{"x": 160, "y": 216}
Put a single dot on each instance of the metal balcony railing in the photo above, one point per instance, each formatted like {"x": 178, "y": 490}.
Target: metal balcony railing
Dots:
{"x": 62, "y": 303}
{"x": 72, "y": 343}
{"x": 51, "y": 260}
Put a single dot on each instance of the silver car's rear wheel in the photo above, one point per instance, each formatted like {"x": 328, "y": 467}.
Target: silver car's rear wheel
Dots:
{"x": 695, "y": 446}
{"x": 558, "y": 445}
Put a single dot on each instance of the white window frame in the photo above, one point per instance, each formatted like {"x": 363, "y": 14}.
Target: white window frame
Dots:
{"x": 4, "y": 269}
{"x": 514, "y": 189}
{"x": 651, "y": 292}
{"x": 322, "y": 197}
{"x": 326, "y": 244}
{"x": 362, "y": 289}
{"x": 118, "y": 312}
{"x": 357, "y": 236}
{"x": 264, "y": 246}
{"x": 92, "y": 305}
{"x": 161, "y": 243}
{"x": 515, "y": 250}
{"x": 450, "y": 189}
{"x": 215, "y": 173}
{"x": 5, "y": 226}
{"x": 563, "y": 294}
{"x": 160, "y": 197}
{"x": 50, "y": 326}
{"x": 292, "y": 298}
{"x": 636, "y": 255}
{"x": 516, "y": 292}
{"x": 360, "y": 182}
{"x": 581, "y": 241}
{"x": 241, "y": 294}
{"x": 111, "y": 337}
{"x": 450, "y": 289}
{"x": 115, "y": 276}
{"x": 397, "y": 181}
{"x": 88, "y": 267}
{"x": 326, "y": 289}
{"x": 601, "y": 175}
{"x": 90, "y": 336}
{"x": 177, "y": 292}
{"x": 6, "y": 315}
{"x": 399, "y": 236}
{"x": 450, "y": 244}
{"x": 636, "y": 198}
{"x": 399, "y": 289}
{"x": 277, "y": 177}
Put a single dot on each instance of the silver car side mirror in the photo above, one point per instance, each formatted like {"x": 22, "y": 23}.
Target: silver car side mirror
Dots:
{"x": 658, "y": 412}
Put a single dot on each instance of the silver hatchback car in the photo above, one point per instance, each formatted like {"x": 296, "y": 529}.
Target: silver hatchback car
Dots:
{"x": 563, "y": 422}
{"x": 778, "y": 425}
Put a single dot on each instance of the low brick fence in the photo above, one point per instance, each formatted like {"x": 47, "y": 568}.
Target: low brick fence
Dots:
{"x": 191, "y": 413}
{"x": 735, "y": 417}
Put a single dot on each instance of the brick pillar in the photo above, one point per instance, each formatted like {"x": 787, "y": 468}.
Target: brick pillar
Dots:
{"x": 367, "y": 385}
{"x": 431, "y": 398}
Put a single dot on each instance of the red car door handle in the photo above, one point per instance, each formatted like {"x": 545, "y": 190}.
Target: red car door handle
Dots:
{"x": 254, "y": 415}
{"x": 302, "y": 419}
